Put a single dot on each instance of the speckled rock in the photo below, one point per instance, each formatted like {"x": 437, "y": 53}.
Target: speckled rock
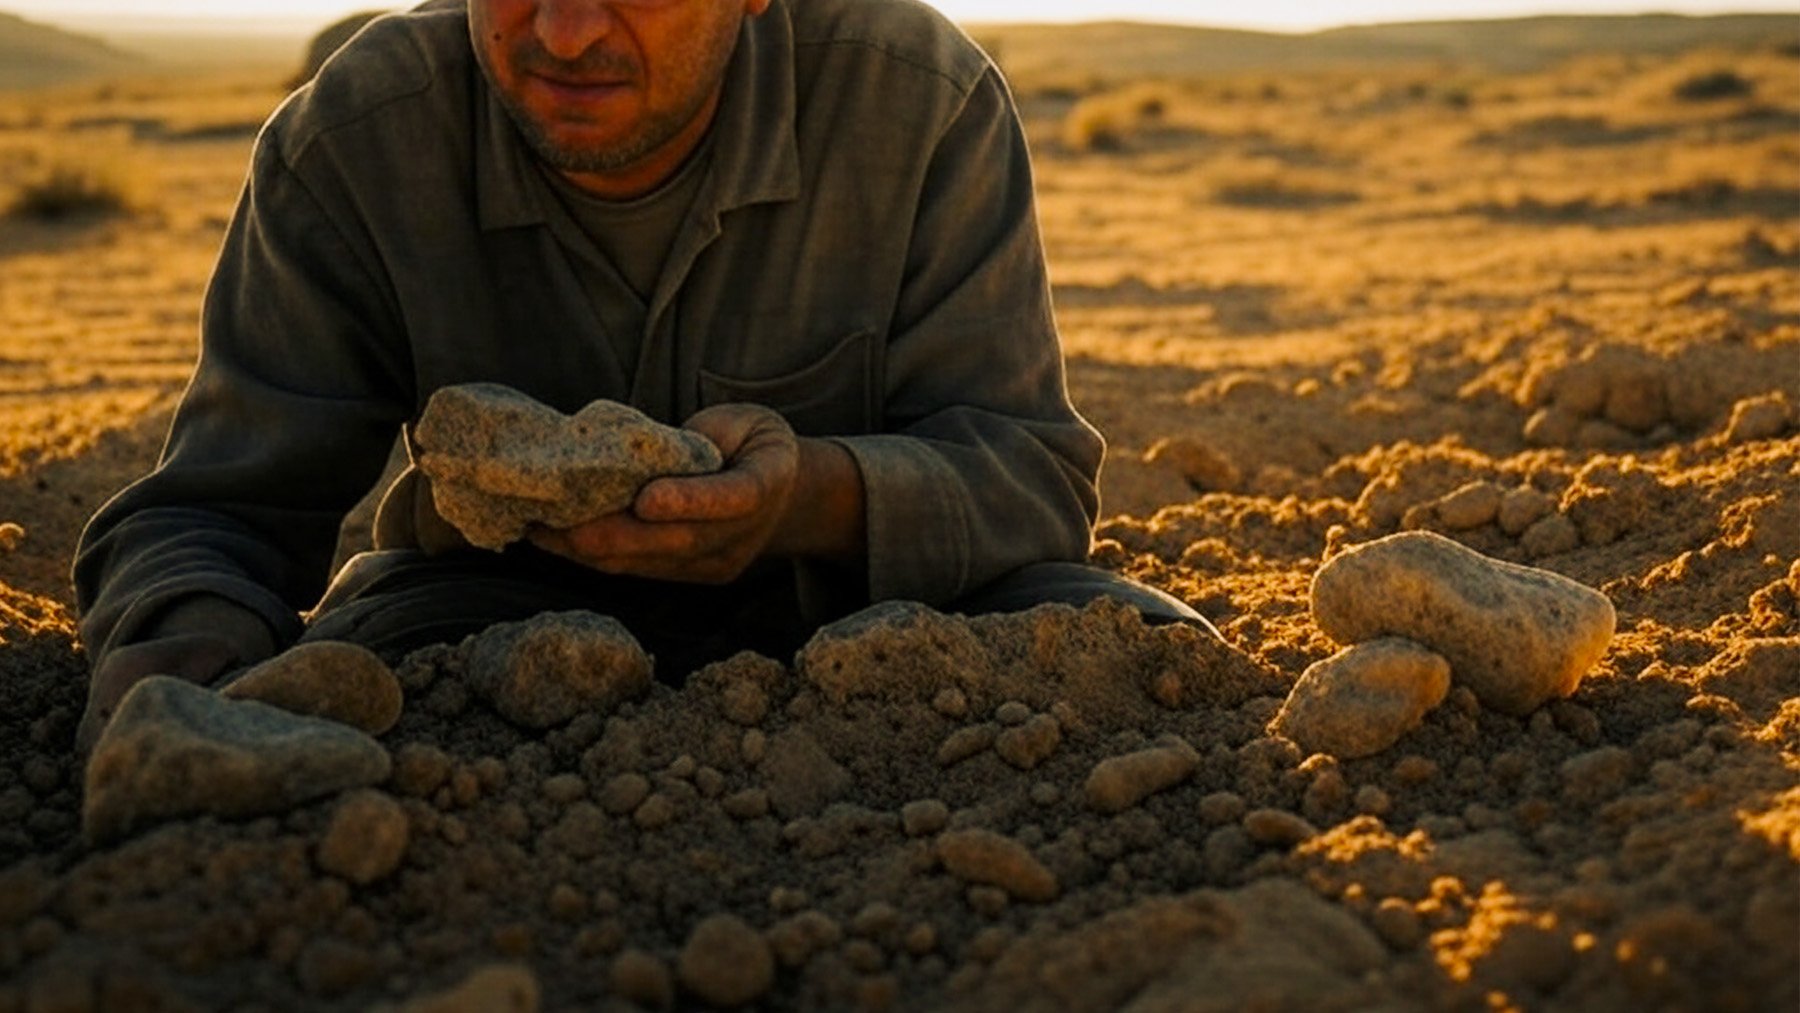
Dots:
{"x": 1359, "y": 701}
{"x": 175, "y": 749}
{"x": 326, "y": 679}
{"x": 1515, "y": 635}
{"x": 500, "y": 461}
{"x": 545, "y": 670}
{"x": 726, "y": 962}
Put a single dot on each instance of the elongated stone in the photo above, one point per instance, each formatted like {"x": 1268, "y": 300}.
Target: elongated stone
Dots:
{"x": 1516, "y": 636}
{"x": 326, "y": 679}
{"x": 991, "y": 859}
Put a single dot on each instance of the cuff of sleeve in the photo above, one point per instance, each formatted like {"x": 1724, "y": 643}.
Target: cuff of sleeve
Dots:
{"x": 138, "y": 621}
{"x": 918, "y": 530}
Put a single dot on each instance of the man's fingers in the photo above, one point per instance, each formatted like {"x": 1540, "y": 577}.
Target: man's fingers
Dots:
{"x": 726, "y": 496}
{"x": 615, "y": 539}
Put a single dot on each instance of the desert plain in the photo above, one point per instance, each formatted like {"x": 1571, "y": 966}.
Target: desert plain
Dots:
{"x": 1553, "y": 314}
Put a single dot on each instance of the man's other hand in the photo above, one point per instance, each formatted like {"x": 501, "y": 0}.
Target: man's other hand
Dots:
{"x": 777, "y": 495}
{"x": 198, "y": 639}
{"x": 195, "y": 657}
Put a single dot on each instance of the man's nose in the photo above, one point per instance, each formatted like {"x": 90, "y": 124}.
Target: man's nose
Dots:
{"x": 567, "y": 28}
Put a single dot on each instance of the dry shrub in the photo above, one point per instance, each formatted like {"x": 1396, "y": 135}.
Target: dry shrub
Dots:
{"x": 71, "y": 182}
{"x": 1096, "y": 123}
{"x": 1106, "y": 121}
{"x": 1714, "y": 85}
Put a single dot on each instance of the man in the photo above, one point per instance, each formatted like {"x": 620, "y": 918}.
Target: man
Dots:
{"x": 802, "y": 228}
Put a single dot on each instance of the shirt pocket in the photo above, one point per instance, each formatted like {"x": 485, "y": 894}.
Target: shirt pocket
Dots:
{"x": 833, "y": 396}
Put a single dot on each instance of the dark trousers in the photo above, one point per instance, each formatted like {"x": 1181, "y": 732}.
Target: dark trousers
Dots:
{"x": 398, "y": 600}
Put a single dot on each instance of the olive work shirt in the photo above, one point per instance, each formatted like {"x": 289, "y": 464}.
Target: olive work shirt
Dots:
{"x": 862, "y": 255}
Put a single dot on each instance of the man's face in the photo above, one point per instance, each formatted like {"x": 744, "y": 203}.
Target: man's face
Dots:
{"x": 608, "y": 86}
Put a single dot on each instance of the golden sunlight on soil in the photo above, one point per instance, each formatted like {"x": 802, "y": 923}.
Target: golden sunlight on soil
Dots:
{"x": 1555, "y": 317}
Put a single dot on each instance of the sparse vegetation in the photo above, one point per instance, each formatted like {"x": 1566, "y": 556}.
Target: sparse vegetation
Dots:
{"x": 1714, "y": 85}
{"x": 93, "y": 183}
{"x": 1108, "y": 120}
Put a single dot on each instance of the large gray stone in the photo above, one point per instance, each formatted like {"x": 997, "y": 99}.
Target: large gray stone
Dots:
{"x": 500, "y": 461}
{"x": 1514, "y": 635}
{"x": 545, "y": 670}
{"x": 175, "y": 750}
{"x": 1360, "y": 700}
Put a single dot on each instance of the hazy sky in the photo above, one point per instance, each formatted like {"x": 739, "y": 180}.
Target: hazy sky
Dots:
{"x": 1275, "y": 14}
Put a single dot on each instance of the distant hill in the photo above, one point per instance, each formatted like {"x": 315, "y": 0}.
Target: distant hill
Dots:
{"x": 33, "y": 55}
{"x": 1121, "y": 49}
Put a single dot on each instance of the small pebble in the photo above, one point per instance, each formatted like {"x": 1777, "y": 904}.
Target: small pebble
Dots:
{"x": 987, "y": 858}
{"x": 1277, "y": 827}
{"x": 1120, "y": 782}
{"x": 1521, "y": 508}
{"x": 964, "y": 743}
{"x": 1222, "y": 807}
{"x": 951, "y": 703}
{"x": 563, "y": 789}
{"x": 924, "y": 817}
{"x": 1012, "y": 712}
{"x": 499, "y": 988}
{"x": 726, "y": 962}
{"x": 366, "y": 838}
{"x": 749, "y": 804}
{"x": 642, "y": 978}
{"x": 623, "y": 793}
{"x": 1028, "y": 744}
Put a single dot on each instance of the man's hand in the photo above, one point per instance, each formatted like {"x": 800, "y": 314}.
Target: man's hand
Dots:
{"x": 777, "y": 494}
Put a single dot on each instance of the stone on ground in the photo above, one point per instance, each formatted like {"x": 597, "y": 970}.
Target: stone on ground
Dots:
{"x": 500, "y": 461}
{"x": 1514, "y": 635}
{"x": 726, "y": 962}
{"x": 1120, "y": 782}
{"x": 545, "y": 670}
{"x": 1359, "y": 701}
{"x": 366, "y": 838}
{"x": 991, "y": 859}
{"x": 327, "y": 679}
{"x": 175, "y": 750}
{"x": 496, "y": 988}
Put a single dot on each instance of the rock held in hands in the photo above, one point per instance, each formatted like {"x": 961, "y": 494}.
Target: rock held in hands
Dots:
{"x": 500, "y": 461}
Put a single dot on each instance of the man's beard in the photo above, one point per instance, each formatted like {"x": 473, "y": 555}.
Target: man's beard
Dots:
{"x": 651, "y": 134}
{"x": 657, "y": 129}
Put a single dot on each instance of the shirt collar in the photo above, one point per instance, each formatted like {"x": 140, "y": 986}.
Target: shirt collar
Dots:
{"x": 755, "y": 148}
